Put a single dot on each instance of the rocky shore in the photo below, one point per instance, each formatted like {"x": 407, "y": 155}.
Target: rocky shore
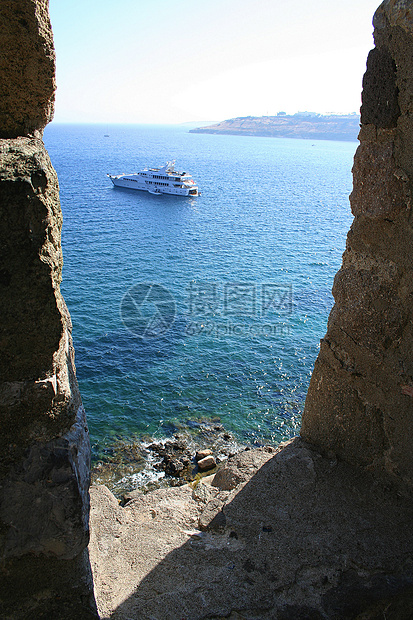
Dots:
{"x": 287, "y": 533}
{"x": 148, "y": 463}
{"x": 276, "y": 533}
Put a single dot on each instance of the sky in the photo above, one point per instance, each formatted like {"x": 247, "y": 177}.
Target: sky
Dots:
{"x": 176, "y": 61}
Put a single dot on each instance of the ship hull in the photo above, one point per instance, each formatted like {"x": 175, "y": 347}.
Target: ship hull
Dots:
{"x": 163, "y": 180}
{"x": 129, "y": 182}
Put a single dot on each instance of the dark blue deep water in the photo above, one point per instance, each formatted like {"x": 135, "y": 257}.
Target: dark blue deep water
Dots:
{"x": 243, "y": 277}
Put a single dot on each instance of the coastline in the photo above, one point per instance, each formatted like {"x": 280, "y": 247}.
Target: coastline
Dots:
{"x": 147, "y": 463}
{"x": 300, "y": 125}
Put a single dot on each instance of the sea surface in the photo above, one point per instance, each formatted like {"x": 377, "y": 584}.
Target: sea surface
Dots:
{"x": 205, "y": 308}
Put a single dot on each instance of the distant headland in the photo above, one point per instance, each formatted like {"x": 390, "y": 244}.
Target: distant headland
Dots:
{"x": 307, "y": 125}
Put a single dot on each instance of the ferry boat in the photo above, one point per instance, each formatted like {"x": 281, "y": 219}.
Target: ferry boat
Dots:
{"x": 164, "y": 180}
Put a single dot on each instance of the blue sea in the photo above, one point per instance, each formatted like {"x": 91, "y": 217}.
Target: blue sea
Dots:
{"x": 189, "y": 309}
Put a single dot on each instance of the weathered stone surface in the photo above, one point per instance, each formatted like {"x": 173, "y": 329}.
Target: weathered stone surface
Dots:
{"x": 300, "y": 536}
{"x": 27, "y": 67}
{"x": 33, "y": 588}
{"x": 44, "y": 443}
{"x": 213, "y": 517}
{"x": 380, "y": 106}
{"x": 241, "y": 468}
{"x": 359, "y": 405}
{"x": 38, "y": 389}
{"x": 44, "y": 501}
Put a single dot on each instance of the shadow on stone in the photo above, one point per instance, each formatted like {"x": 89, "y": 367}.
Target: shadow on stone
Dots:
{"x": 301, "y": 537}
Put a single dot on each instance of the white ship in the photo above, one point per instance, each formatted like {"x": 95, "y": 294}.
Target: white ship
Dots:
{"x": 164, "y": 180}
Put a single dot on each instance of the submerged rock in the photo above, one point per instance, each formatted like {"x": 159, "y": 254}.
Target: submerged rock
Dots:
{"x": 176, "y": 457}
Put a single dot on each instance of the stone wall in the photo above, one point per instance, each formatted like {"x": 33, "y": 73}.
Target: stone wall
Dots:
{"x": 44, "y": 443}
{"x": 360, "y": 401}
{"x": 27, "y": 67}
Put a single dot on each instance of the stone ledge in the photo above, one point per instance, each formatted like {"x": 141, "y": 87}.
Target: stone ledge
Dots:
{"x": 302, "y": 537}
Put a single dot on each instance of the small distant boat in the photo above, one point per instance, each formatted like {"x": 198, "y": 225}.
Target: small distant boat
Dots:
{"x": 163, "y": 180}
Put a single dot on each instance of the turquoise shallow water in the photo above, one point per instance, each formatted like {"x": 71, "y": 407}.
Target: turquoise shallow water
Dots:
{"x": 248, "y": 267}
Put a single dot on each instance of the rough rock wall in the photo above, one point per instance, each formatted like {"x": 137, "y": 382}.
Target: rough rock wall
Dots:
{"x": 44, "y": 443}
{"x": 360, "y": 401}
{"x": 27, "y": 67}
